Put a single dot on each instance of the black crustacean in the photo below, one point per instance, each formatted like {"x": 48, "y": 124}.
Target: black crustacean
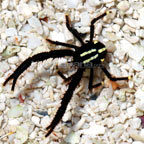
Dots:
{"x": 90, "y": 53}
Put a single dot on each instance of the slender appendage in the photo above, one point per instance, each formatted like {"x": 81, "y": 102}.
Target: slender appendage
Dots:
{"x": 65, "y": 100}
{"x": 62, "y": 44}
{"x": 92, "y": 25}
{"x": 112, "y": 78}
{"x": 91, "y": 86}
{"x": 63, "y": 77}
{"x": 73, "y": 31}
{"x": 36, "y": 58}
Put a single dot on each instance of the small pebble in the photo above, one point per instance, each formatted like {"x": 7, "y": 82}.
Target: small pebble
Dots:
{"x": 131, "y": 22}
{"x": 34, "y": 22}
{"x": 72, "y": 138}
{"x": 131, "y": 111}
{"x": 95, "y": 129}
{"x": 135, "y": 123}
{"x": 33, "y": 135}
{"x": 14, "y": 122}
{"x": 15, "y": 111}
{"x": 45, "y": 121}
{"x": 123, "y": 6}
{"x": 21, "y": 134}
{"x": 33, "y": 42}
{"x": 2, "y": 106}
{"x": 36, "y": 120}
{"x": 72, "y": 3}
{"x": 11, "y": 32}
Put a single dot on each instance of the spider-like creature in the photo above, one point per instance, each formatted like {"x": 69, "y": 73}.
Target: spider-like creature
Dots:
{"x": 89, "y": 53}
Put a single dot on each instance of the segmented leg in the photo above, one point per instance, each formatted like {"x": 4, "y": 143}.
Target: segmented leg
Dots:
{"x": 65, "y": 100}
{"x": 92, "y": 25}
{"x": 63, "y": 77}
{"x": 91, "y": 81}
{"x": 62, "y": 44}
{"x": 73, "y": 31}
{"x": 36, "y": 58}
{"x": 112, "y": 78}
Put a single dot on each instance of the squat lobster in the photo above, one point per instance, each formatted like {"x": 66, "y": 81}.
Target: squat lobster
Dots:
{"x": 90, "y": 53}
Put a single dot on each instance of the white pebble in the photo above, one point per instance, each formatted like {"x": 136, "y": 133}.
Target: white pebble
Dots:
{"x": 126, "y": 28}
{"x": 139, "y": 94}
{"x": 135, "y": 123}
{"x": 94, "y": 3}
{"x": 85, "y": 19}
{"x": 140, "y": 105}
{"x": 53, "y": 81}
{"x": 111, "y": 36}
{"x": 29, "y": 77}
{"x": 123, "y": 5}
{"x": 37, "y": 97}
{"x": 4, "y": 66}
{"x": 136, "y": 52}
{"x": 72, "y": 3}
{"x": 135, "y": 135}
{"x": 2, "y": 106}
{"x": 5, "y": 4}
{"x": 14, "y": 122}
{"x": 34, "y": 22}
{"x": 24, "y": 10}
{"x": 131, "y": 22}
{"x": 33, "y": 42}
{"x": 67, "y": 116}
{"x": 109, "y": 122}
{"x": 13, "y": 60}
{"x": 24, "y": 53}
{"x": 122, "y": 117}
{"x": 131, "y": 111}
{"x": 140, "y": 33}
{"x": 33, "y": 135}
{"x": 114, "y": 109}
{"x": 131, "y": 39}
{"x": 102, "y": 103}
{"x": 36, "y": 120}
{"x": 15, "y": 111}
{"x": 79, "y": 124}
{"x": 98, "y": 28}
{"x": 45, "y": 121}
{"x": 136, "y": 66}
{"x": 118, "y": 21}
{"x": 95, "y": 129}
{"x": 21, "y": 134}
{"x": 57, "y": 36}
{"x": 11, "y": 32}
{"x": 59, "y": 4}
{"x": 72, "y": 138}
{"x": 141, "y": 17}
{"x": 116, "y": 28}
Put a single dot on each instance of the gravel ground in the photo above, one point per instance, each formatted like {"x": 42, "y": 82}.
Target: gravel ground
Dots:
{"x": 113, "y": 114}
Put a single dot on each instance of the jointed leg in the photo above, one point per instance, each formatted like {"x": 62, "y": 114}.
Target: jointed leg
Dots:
{"x": 92, "y": 25}
{"x": 62, "y": 44}
{"x": 91, "y": 81}
{"x": 65, "y": 100}
{"x": 73, "y": 31}
{"x": 36, "y": 58}
{"x": 112, "y": 78}
{"x": 63, "y": 77}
